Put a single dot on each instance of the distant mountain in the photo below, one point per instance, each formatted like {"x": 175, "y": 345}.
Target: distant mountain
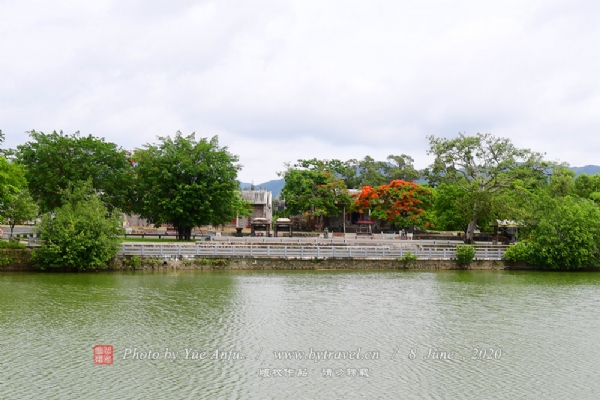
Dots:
{"x": 588, "y": 169}
{"x": 274, "y": 186}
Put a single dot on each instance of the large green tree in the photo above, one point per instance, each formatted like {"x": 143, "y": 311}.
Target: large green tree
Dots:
{"x": 485, "y": 167}
{"x": 55, "y": 161}
{"x": 80, "y": 234}
{"x": 186, "y": 182}
{"x": 315, "y": 189}
{"x": 451, "y": 211}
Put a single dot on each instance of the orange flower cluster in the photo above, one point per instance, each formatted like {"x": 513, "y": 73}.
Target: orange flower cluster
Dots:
{"x": 397, "y": 202}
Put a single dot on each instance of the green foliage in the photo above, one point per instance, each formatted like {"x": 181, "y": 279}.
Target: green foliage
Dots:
{"x": 3, "y": 152}
{"x": 16, "y": 205}
{"x": 216, "y": 262}
{"x": 408, "y": 256}
{"x": 19, "y": 209}
{"x": 81, "y": 234}
{"x": 154, "y": 262}
{"x": 595, "y": 197}
{"x": 484, "y": 167}
{"x": 450, "y": 211}
{"x": 313, "y": 188}
{"x": 12, "y": 255}
{"x": 587, "y": 185}
{"x": 57, "y": 161}
{"x": 187, "y": 183}
{"x": 12, "y": 181}
{"x": 15, "y": 239}
{"x": 369, "y": 172}
{"x": 562, "y": 182}
{"x": 519, "y": 252}
{"x": 564, "y": 234}
{"x": 465, "y": 254}
{"x": 135, "y": 261}
{"x": 11, "y": 252}
{"x": 11, "y": 244}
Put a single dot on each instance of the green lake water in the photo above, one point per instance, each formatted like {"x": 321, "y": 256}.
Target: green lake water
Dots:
{"x": 492, "y": 335}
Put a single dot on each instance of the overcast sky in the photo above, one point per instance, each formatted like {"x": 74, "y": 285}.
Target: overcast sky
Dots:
{"x": 279, "y": 80}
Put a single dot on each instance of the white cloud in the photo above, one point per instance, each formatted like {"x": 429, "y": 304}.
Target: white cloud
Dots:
{"x": 282, "y": 80}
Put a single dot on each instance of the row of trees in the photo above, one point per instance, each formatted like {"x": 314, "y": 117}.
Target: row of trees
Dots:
{"x": 16, "y": 204}
{"x": 189, "y": 182}
{"x": 473, "y": 180}
{"x": 82, "y": 184}
{"x": 319, "y": 188}
{"x": 471, "y": 175}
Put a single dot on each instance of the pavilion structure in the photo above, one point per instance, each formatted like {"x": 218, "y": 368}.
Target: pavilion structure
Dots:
{"x": 505, "y": 231}
{"x": 364, "y": 228}
{"x": 283, "y": 225}
{"x": 260, "y": 225}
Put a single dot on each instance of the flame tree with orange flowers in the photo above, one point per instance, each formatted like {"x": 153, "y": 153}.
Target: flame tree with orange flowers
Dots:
{"x": 400, "y": 203}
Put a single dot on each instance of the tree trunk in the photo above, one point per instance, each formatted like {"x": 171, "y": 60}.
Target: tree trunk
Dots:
{"x": 470, "y": 236}
{"x": 184, "y": 232}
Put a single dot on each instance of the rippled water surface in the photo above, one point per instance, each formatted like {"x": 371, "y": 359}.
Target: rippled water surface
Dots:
{"x": 537, "y": 332}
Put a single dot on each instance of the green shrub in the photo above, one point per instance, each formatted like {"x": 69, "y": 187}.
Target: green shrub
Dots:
{"x": 407, "y": 257}
{"x": 11, "y": 244}
{"x": 81, "y": 234}
{"x": 153, "y": 262}
{"x": 15, "y": 239}
{"x": 212, "y": 261}
{"x": 520, "y": 252}
{"x": 136, "y": 261}
{"x": 564, "y": 235}
{"x": 11, "y": 252}
{"x": 465, "y": 254}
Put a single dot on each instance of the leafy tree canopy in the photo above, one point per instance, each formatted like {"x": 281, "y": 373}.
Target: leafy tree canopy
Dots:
{"x": 55, "y": 161}
{"x": 484, "y": 167}
{"x": 187, "y": 182}
{"x": 369, "y": 172}
{"x": 12, "y": 180}
{"x": 562, "y": 182}
{"x": 587, "y": 185}
{"x": 315, "y": 188}
{"x": 450, "y": 210}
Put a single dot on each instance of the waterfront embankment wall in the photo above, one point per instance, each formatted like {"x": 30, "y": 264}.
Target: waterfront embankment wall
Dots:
{"x": 120, "y": 263}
